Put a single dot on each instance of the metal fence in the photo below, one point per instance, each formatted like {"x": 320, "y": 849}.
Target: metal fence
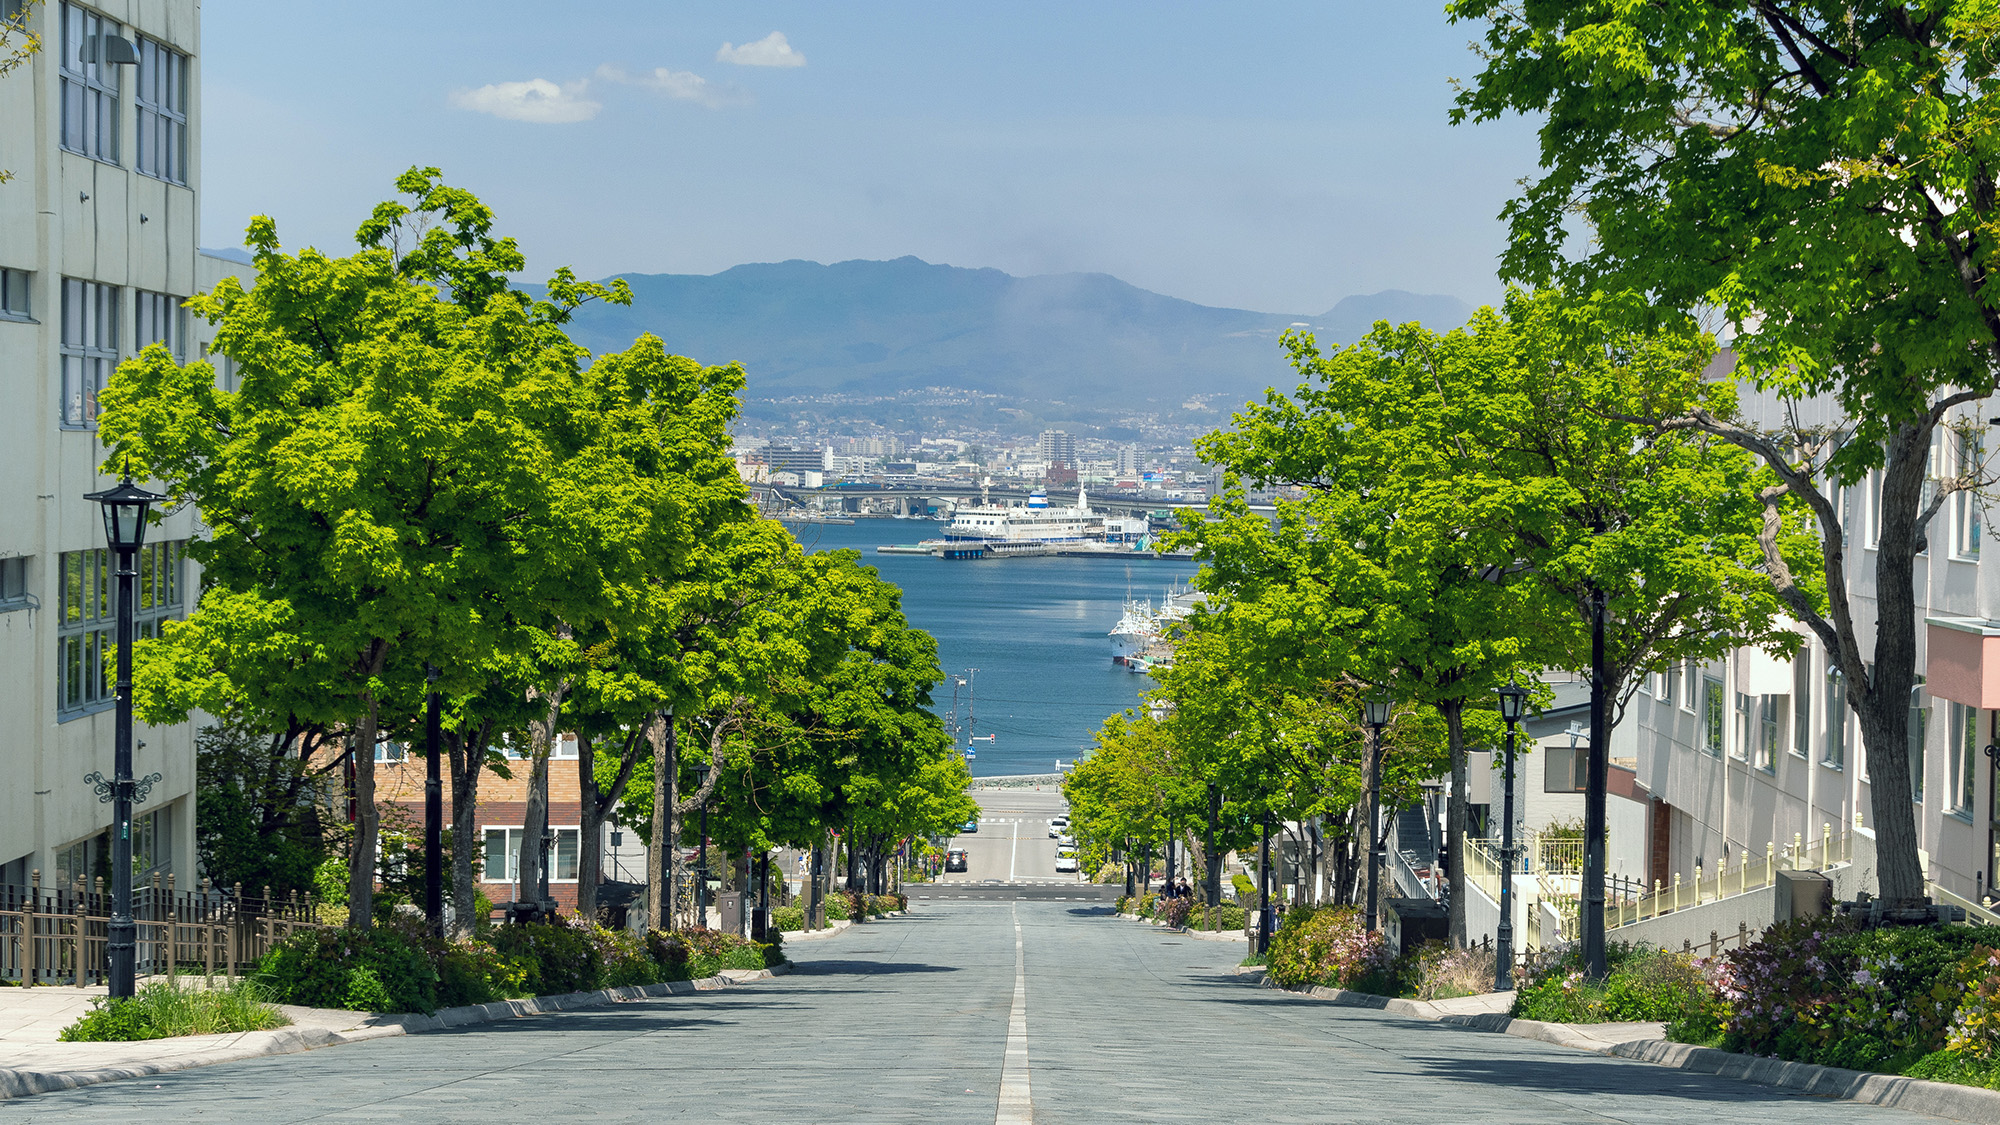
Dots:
{"x": 1723, "y": 881}
{"x": 57, "y": 935}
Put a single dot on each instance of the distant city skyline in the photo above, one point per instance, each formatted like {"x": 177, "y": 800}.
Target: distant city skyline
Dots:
{"x": 1274, "y": 157}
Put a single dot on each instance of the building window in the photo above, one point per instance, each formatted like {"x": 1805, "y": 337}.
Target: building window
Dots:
{"x": 14, "y": 300}
{"x": 1746, "y": 727}
{"x": 151, "y": 842}
{"x": 390, "y": 752}
{"x": 1712, "y": 720}
{"x": 1964, "y": 757}
{"x": 1672, "y": 693}
{"x": 87, "y": 658}
{"x": 1802, "y": 703}
{"x": 162, "y": 102}
{"x": 89, "y": 347}
{"x": 1766, "y": 754}
{"x": 14, "y": 583}
{"x": 89, "y": 88}
{"x": 503, "y": 855}
{"x": 160, "y": 319}
{"x": 1965, "y": 515}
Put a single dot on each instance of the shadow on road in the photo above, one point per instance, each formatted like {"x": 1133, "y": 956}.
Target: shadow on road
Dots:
{"x": 856, "y": 967}
{"x": 1576, "y": 1072}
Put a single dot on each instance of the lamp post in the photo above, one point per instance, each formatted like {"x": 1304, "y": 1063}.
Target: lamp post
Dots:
{"x": 701, "y": 865}
{"x": 125, "y": 508}
{"x": 1591, "y": 901}
{"x": 433, "y": 808}
{"x": 1264, "y": 888}
{"x": 1375, "y": 712}
{"x": 1513, "y": 700}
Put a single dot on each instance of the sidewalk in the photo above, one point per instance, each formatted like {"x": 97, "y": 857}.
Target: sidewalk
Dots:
{"x": 34, "y": 1061}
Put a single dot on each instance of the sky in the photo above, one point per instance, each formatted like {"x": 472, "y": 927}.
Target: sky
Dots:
{"x": 1267, "y": 156}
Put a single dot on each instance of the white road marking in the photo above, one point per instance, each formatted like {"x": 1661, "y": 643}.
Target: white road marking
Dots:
{"x": 1016, "y": 1106}
{"x": 1015, "y": 854}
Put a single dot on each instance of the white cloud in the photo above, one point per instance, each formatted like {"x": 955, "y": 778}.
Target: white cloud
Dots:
{"x": 538, "y": 100}
{"x": 680, "y": 85}
{"x": 772, "y": 50}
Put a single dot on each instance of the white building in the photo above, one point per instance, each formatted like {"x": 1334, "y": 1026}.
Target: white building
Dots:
{"x": 98, "y": 231}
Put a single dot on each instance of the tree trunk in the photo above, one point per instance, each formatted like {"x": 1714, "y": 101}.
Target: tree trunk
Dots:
{"x": 367, "y": 819}
{"x": 468, "y": 764}
{"x": 1884, "y": 707}
{"x": 659, "y": 866}
{"x": 1455, "y": 815}
{"x": 1212, "y": 857}
{"x": 534, "y": 822}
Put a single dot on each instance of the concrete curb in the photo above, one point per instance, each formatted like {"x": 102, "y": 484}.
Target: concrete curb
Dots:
{"x": 207, "y": 1050}
{"x": 1939, "y": 1099}
{"x": 834, "y": 928}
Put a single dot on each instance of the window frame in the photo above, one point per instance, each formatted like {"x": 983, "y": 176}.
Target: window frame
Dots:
{"x": 152, "y": 311}
{"x": 1715, "y": 721}
{"x": 15, "y": 590}
{"x": 17, "y": 295}
{"x": 1962, "y": 761}
{"x": 88, "y": 343}
{"x": 510, "y": 840}
{"x": 1802, "y": 701}
{"x": 157, "y": 117}
{"x": 1967, "y": 518}
{"x": 91, "y": 86}
{"x": 87, "y": 619}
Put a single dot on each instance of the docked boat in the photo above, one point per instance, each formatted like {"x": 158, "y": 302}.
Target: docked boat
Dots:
{"x": 986, "y": 530}
{"x": 1142, "y": 638}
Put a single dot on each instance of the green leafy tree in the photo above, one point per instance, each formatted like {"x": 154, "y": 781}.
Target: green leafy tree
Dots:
{"x": 264, "y": 817}
{"x": 395, "y": 486}
{"x": 1822, "y": 176}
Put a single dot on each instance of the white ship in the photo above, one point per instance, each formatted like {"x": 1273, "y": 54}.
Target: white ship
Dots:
{"x": 987, "y": 530}
{"x": 1139, "y": 641}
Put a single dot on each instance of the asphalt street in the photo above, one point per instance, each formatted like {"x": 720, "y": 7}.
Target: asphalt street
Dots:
{"x": 961, "y": 1012}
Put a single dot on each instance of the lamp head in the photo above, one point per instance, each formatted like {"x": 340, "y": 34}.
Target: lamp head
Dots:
{"x": 1375, "y": 709}
{"x": 1513, "y": 701}
{"x": 125, "y": 507}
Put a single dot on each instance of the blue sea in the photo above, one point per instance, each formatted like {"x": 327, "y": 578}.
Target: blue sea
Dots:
{"x": 1034, "y": 628}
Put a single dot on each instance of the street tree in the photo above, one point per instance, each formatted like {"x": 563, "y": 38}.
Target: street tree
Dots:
{"x": 1821, "y": 177}
{"x": 386, "y": 491}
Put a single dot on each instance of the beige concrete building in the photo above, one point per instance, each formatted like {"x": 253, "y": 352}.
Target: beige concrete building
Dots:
{"x": 98, "y": 235}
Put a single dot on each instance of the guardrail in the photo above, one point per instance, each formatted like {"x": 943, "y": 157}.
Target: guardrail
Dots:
{"x": 58, "y": 934}
{"x": 1749, "y": 874}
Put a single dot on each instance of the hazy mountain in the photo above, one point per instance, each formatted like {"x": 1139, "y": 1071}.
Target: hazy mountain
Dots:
{"x": 866, "y": 327}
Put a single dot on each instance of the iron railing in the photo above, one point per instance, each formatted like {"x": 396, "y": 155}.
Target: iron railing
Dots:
{"x": 57, "y": 935}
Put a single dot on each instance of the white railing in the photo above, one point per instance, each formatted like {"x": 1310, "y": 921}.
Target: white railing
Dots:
{"x": 1974, "y": 913}
{"x": 1750, "y": 873}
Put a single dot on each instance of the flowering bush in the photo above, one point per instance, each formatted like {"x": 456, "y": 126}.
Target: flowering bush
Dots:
{"x": 1828, "y": 991}
{"x": 1327, "y": 946}
{"x": 1975, "y": 1029}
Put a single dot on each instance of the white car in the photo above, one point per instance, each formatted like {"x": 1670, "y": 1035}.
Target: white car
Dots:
{"x": 1065, "y": 861}
{"x": 1065, "y": 841}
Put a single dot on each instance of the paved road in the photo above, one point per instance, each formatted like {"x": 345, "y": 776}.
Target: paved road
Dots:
{"x": 943, "y": 1017}
{"x": 1013, "y": 843}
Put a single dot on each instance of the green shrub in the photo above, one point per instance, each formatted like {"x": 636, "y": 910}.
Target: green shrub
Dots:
{"x": 1642, "y": 984}
{"x": 111, "y": 1019}
{"x": 838, "y": 908}
{"x": 1956, "y": 1067}
{"x": 1227, "y": 916}
{"x": 789, "y": 919}
{"x": 1327, "y": 946}
{"x": 387, "y": 964}
{"x": 560, "y": 957}
{"x": 1245, "y": 887}
{"x": 473, "y": 972}
{"x": 171, "y": 1008}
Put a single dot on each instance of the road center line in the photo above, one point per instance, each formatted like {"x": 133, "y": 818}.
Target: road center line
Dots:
{"x": 1016, "y": 1106}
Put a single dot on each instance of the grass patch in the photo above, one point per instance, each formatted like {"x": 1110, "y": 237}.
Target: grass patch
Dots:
{"x": 169, "y": 1008}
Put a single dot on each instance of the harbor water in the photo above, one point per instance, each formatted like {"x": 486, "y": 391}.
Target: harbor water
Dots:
{"x": 1035, "y": 628}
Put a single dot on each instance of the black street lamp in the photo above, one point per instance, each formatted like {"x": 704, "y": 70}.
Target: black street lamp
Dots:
{"x": 1375, "y": 712}
{"x": 1264, "y": 888}
{"x": 125, "y": 510}
{"x": 701, "y": 865}
{"x": 1513, "y": 701}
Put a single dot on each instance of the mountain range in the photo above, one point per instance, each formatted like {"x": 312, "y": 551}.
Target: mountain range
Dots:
{"x": 875, "y": 328}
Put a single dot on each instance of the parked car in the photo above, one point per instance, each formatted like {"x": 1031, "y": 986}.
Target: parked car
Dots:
{"x": 954, "y": 860}
{"x": 1065, "y": 861}
{"x": 1066, "y": 841}
{"x": 970, "y": 826}
{"x": 1058, "y": 825}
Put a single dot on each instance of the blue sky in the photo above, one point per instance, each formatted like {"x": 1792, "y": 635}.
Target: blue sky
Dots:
{"x": 1271, "y": 156}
